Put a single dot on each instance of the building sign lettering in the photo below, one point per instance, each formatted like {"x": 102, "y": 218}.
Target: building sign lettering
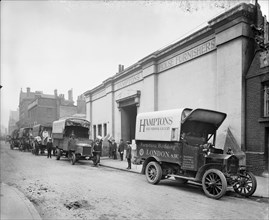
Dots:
{"x": 129, "y": 81}
{"x": 99, "y": 95}
{"x": 188, "y": 55}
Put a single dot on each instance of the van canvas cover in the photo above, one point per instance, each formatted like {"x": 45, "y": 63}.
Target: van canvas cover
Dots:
{"x": 59, "y": 126}
{"x": 160, "y": 125}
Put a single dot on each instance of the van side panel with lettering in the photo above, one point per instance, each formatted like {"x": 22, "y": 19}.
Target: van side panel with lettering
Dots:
{"x": 180, "y": 144}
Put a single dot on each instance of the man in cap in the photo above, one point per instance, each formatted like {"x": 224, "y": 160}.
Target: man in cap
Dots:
{"x": 129, "y": 154}
{"x": 114, "y": 149}
{"x": 49, "y": 147}
{"x": 121, "y": 149}
{"x": 97, "y": 148}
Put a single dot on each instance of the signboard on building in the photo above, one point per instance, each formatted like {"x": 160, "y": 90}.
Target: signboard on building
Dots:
{"x": 131, "y": 80}
{"x": 187, "y": 55}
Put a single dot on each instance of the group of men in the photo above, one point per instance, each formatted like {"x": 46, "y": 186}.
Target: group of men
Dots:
{"x": 97, "y": 148}
{"x": 113, "y": 149}
{"x": 37, "y": 145}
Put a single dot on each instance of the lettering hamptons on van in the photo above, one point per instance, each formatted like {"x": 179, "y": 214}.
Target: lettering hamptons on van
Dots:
{"x": 162, "y": 121}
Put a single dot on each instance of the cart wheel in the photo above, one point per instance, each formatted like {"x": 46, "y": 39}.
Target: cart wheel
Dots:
{"x": 246, "y": 184}
{"x": 58, "y": 154}
{"x": 181, "y": 180}
{"x": 214, "y": 184}
{"x": 73, "y": 159}
{"x": 153, "y": 172}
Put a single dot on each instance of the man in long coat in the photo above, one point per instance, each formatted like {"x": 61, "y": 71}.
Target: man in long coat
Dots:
{"x": 129, "y": 155}
{"x": 97, "y": 148}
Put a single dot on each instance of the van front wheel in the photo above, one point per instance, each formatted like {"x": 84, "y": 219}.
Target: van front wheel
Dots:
{"x": 73, "y": 159}
{"x": 58, "y": 154}
{"x": 153, "y": 172}
{"x": 214, "y": 184}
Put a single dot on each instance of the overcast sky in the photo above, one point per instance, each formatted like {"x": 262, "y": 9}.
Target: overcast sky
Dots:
{"x": 47, "y": 45}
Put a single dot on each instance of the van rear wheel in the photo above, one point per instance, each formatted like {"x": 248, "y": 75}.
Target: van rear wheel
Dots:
{"x": 153, "y": 172}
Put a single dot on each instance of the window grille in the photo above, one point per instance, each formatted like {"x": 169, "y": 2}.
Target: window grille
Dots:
{"x": 266, "y": 101}
{"x": 105, "y": 129}
{"x": 100, "y": 130}
{"x": 94, "y": 132}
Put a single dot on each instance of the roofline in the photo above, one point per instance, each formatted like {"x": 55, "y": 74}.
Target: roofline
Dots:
{"x": 158, "y": 53}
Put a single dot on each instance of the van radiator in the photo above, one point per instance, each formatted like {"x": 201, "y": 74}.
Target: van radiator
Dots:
{"x": 87, "y": 150}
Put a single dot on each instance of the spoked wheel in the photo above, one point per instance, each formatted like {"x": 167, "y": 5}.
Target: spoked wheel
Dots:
{"x": 214, "y": 184}
{"x": 153, "y": 172}
{"x": 58, "y": 154}
{"x": 246, "y": 184}
{"x": 73, "y": 159}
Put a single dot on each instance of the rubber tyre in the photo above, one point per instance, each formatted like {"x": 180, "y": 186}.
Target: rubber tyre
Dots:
{"x": 214, "y": 184}
{"x": 246, "y": 184}
{"x": 153, "y": 172}
{"x": 181, "y": 180}
{"x": 58, "y": 154}
{"x": 73, "y": 159}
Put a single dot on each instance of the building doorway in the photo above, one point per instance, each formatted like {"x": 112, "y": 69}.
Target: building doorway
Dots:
{"x": 128, "y": 120}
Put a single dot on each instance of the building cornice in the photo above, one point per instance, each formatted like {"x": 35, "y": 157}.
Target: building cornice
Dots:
{"x": 241, "y": 10}
{"x": 247, "y": 11}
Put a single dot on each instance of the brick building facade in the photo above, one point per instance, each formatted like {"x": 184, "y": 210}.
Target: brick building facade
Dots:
{"x": 257, "y": 113}
{"x": 38, "y": 108}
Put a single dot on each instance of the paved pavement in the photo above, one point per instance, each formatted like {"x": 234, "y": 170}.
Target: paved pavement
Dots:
{"x": 14, "y": 204}
{"x": 262, "y": 182}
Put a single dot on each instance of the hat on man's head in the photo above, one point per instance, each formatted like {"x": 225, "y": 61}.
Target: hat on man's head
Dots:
{"x": 99, "y": 137}
{"x": 128, "y": 142}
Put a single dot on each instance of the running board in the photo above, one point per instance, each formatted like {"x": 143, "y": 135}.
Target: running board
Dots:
{"x": 182, "y": 177}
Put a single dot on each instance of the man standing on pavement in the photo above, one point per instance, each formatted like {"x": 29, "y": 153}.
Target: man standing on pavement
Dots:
{"x": 97, "y": 148}
{"x": 129, "y": 155}
{"x": 121, "y": 149}
{"x": 114, "y": 149}
{"x": 49, "y": 148}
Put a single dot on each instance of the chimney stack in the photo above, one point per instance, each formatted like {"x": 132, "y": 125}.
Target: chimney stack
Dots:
{"x": 55, "y": 93}
{"x": 121, "y": 68}
{"x": 28, "y": 91}
{"x": 70, "y": 95}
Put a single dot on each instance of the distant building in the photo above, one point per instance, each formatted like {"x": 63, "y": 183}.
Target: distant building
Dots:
{"x": 13, "y": 119}
{"x": 38, "y": 108}
{"x": 25, "y": 99}
{"x": 81, "y": 105}
{"x": 45, "y": 109}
